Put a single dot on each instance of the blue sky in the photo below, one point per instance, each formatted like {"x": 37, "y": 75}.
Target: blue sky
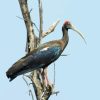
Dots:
{"x": 77, "y": 75}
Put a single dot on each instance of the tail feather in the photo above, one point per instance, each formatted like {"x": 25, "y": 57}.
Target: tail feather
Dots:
{"x": 11, "y": 73}
{"x": 11, "y": 77}
{"x": 20, "y": 67}
{"x": 15, "y": 69}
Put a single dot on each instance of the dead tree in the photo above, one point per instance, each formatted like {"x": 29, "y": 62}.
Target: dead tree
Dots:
{"x": 42, "y": 91}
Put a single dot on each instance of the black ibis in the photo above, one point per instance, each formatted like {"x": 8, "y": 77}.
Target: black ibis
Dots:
{"x": 43, "y": 55}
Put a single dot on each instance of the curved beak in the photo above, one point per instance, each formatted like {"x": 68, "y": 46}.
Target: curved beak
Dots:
{"x": 76, "y": 30}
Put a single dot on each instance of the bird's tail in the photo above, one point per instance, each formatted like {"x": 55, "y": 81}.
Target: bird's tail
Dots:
{"x": 14, "y": 70}
{"x": 10, "y": 75}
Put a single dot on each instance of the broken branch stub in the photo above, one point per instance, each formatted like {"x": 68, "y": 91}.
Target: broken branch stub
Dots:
{"x": 51, "y": 29}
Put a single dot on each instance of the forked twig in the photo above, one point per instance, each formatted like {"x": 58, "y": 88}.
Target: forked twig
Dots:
{"x": 30, "y": 91}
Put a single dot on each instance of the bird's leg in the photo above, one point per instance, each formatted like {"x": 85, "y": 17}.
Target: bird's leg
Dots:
{"x": 45, "y": 77}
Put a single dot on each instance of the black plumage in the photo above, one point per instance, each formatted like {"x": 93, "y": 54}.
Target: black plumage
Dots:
{"x": 42, "y": 56}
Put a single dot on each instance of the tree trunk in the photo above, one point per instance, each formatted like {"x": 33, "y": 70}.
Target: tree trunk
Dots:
{"x": 42, "y": 91}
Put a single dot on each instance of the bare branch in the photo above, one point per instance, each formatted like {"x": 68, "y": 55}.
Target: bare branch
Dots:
{"x": 32, "y": 23}
{"x": 30, "y": 93}
{"x": 41, "y": 19}
{"x": 19, "y": 17}
{"x": 51, "y": 29}
{"x": 36, "y": 27}
{"x": 65, "y": 54}
{"x": 54, "y": 74}
{"x": 30, "y": 10}
{"x": 27, "y": 19}
{"x": 25, "y": 81}
{"x": 55, "y": 93}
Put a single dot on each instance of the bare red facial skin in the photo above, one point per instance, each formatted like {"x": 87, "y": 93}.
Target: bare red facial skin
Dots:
{"x": 66, "y": 22}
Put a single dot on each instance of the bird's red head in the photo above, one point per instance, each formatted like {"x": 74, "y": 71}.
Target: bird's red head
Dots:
{"x": 66, "y": 23}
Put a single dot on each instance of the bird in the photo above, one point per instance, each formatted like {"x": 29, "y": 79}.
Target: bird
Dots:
{"x": 43, "y": 55}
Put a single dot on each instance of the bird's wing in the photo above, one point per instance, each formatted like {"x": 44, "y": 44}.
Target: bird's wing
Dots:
{"x": 33, "y": 61}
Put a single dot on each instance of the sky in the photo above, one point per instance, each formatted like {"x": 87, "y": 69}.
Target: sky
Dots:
{"x": 78, "y": 74}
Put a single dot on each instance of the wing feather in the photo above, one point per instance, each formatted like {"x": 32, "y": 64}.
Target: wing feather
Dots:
{"x": 33, "y": 61}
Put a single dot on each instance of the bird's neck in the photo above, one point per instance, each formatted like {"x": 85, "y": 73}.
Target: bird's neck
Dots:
{"x": 65, "y": 37}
